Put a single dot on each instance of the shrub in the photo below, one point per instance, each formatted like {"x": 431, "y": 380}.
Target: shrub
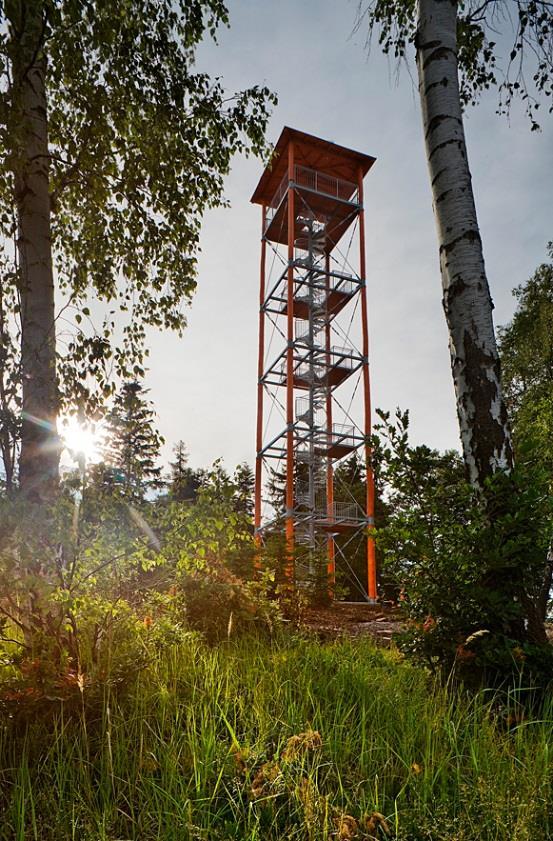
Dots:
{"x": 67, "y": 632}
{"x": 220, "y": 604}
{"x": 471, "y": 564}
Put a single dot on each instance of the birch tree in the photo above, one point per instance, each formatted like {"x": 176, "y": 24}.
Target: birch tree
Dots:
{"x": 111, "y": 148}
{"x": 456, "y": 59}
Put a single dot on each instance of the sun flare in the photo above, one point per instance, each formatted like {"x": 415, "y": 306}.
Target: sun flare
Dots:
{"x": 82, "y": 440}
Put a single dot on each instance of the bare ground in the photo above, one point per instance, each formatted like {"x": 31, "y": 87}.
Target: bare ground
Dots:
{"x": 354, "y": 619}
{"x": 358, "y": 619}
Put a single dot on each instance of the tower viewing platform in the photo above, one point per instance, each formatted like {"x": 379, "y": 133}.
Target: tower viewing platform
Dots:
{"x": 325, "y": 178}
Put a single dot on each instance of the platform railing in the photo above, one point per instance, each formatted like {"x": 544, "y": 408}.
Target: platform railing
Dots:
{"x": 340, "y": 513}
{"x": 342, "y": 434}
{"x": 279, "y": 194}
{"x": 316, "y": 297}
{"x": 311, "y": 372}
{"x": 315, "y": 370}
{"x": 347, "y": 512}
{"x": 327, "y": 185}
{"x": 318, "y": 182}
{"x": 341, "y": 357}
{"x": 344, "y": 287}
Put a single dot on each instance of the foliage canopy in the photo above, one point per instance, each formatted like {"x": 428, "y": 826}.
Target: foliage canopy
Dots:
{"x": 526, "y": 347}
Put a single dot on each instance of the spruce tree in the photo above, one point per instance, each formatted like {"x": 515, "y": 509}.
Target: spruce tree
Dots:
{"x": 134, "y": 443}
{"x": 184, "y": 482}
{"x": 244, "y": 481}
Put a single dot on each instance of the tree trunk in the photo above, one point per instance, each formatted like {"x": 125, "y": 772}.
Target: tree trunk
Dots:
{"x": 467, "y": 302}
{"x": 8, "y": 423}
{"x": 39, "y": 460}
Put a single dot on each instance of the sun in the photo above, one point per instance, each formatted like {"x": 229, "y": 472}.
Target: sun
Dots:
{"x": 82, "y": 440}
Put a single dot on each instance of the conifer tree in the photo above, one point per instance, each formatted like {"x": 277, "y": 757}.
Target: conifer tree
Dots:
{"x": 184, "y": 482}
{"x": 244, "y": 481}
{"x": 134, "y": 443}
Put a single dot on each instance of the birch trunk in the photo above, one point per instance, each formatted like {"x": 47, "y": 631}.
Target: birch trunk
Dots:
{"x": 39, "y": 459}
{"x": 467, "y": 302}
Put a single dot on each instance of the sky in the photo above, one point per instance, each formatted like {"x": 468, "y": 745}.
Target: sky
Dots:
{"x": 204, "y": 384}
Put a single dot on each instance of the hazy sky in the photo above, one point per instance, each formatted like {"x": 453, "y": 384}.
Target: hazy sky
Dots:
{"x": 204, "y": 385}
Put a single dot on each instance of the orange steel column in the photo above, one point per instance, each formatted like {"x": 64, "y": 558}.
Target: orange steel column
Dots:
{"x": 260, "y": 364}
{"x": 371, "y": 553}
{"x": 331, "y": 564}
{"x": 290, "y": 370}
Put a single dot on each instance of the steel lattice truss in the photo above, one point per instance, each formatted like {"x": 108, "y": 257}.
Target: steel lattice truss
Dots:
{"x": 313, "y": 302}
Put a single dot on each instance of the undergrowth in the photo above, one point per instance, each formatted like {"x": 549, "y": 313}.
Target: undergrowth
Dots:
{"x": 281, "y": 740}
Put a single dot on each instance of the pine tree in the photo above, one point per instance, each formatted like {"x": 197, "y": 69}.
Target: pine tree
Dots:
{"x": 133, "y": 442}
{"x": 244, "y": 481}
{"x": 184, "y": 482}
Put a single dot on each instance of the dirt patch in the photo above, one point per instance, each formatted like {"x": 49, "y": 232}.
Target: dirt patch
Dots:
{"x": 358, "y": 619}
{"x": 354, "y": 619}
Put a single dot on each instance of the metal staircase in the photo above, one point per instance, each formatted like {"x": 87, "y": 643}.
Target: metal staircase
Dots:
{"x": 311, "y": 337}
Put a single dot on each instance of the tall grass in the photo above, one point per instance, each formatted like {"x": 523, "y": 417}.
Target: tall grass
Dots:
{"x": 176, "y": 759}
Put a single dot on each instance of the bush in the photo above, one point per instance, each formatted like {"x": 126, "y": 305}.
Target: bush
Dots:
{"x": 220, "y": 604}
{"x": 470, "y": 564}
{"x": 67, "y": 633}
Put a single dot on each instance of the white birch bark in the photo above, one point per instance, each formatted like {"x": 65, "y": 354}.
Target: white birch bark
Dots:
{"x": 39, "y": 460}
{"x": 467, "y": 302}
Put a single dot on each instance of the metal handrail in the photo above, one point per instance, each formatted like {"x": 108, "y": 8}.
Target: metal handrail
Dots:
{"x": 347, "y": 511}
{"x": 307, "y": 371}
{"x": 341, "y": 357}
{"x": 318, "y": 182}
{"x": 345, "y": 287}
{"x": 280, "y": 191}
{"x": 342, "y": 433}
{"x": 279, "y": 194}
{"x": 328, "y": 185}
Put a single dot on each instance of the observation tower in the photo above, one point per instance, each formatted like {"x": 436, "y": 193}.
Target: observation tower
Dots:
{"x": 313, "y": 353}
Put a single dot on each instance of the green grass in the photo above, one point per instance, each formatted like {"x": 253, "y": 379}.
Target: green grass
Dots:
{"x": 165, "y": 762}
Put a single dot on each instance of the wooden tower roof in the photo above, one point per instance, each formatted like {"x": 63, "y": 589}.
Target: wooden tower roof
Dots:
{"x": 314, "y": 153}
